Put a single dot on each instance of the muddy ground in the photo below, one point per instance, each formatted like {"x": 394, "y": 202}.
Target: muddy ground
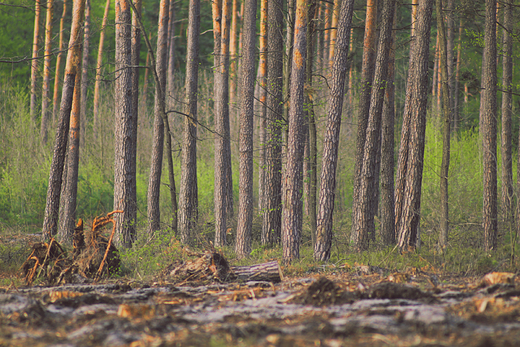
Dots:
{"x": 362, "y": 308}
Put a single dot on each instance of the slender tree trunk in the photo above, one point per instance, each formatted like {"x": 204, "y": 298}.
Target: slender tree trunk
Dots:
{"x": 411, "y": 152}
{"x": 450, "y": 48}
{"x": 364, "y": 221}
{"x": 326, "y": 36}
{"x": 233, "y": 64}
{"x": 188, "y": 202}
{"x": 261, "y": 102}
{"x": 507, "y": 110}
{"x": 99, "y": 67}
{"x": 435, "y": 75}
{"x": 222, "y": 129}
{"x": 446, "y": 124}
{"x": 333, "y": 31}
{"x": 310, "y": 163}
{"x": 292, "y": 212}
{"x": 46, "y": 73}
{"x": 488, "y": 116}
{"x": 68, "y": 221}
{"x": 367, "y": 73}
{"x": 455, "y": 93}
{"x": 124, "y": 172}
{"x": 245, "y": 202}
{"x": 34, "y": 62}
{"x": 84, "y": 74}
{"x": 171, "y": 57}
{"x": 58, "y": 64}
{"x": 271, "y": 226}
{"x": 146, "y": 77}
{"x": 323, "y": 244}
{"x": 50, "y": 221}
{"x": 415, "y": 6}
{"x": 154, "y": 182}
{"x": 387, "y": 151}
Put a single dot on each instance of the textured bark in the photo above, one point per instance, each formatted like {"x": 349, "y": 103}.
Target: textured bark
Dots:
{"x": 99, "y": 66}
{"x": 46, "y": 73}
{"x": 222, "y": 147}
{"x": 293, "y": 206}
{"x": 415, "y": 6}
{"x": 188, "y": 202}
{"x": 387, "y": 152}
{"x": 455, "y": 93}
{"x": 58, "y": 64}
{"x": 34, "y": 62}
{"x": 364, "y": 221}
{"x": 310, "y": 159}
{"x": 323, "y": 244}
{"x": 245, "y": 202}
{"x": 124, "y": 166}
{"x": 260, "y": 103}
{"x": 411, "y": 152}
{"x": 333, "y": 31}
{"x": 270, "y": 272}
{"x": 233, "y": 45}
{"x": 69, "y": 194}
{"x": 326, "y": 36}
{"x": 154, "y": 181}
{"x": 488, "y": 116}
{"x": 507, "y": 110}
{"x": 146, "y": 77}
{"x": 450, "y": 50}
{"x": 171, "y": 56}
{"x": 446, "y": 126}
{"x": 367, "y": 73}
{"x": 271, "y": 226}
{"x": 84, "y": 74}
{"x": 50, "y": 221}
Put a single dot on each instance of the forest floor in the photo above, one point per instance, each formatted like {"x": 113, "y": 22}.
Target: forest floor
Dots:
{"x": 364, "y": 306}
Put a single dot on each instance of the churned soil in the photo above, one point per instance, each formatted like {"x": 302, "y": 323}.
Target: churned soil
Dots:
{"x": 351, "y": 307}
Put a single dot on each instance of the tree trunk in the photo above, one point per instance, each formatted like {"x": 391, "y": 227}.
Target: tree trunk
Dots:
{"x": 84, "y": 75}
{"x": 323, "y": 244}
{"x": 455, "y": 93}
{"x": 333, "y": 31}
{"x": 367, "y": 73}
{"x": 245, "y": 196}
{"x": 411, "y": 152}
{"x": 446, "y": 123}
{"x": 99, "y": 67}
{"x": 154, "y": 182}
{"x": 326, "y": 36}
{"x": 124, "y": 173}
{"x": 50, "y": 221}
{"x": 310, "y": 161}
{"x": 68, "y": 217}
{"x": 170, "y": 91}
{"x": 261, "y": 102}
{"x": 58, "y": 64}
{"x": 34, "y": 62}
{"x": 507, "y": 110}
{"x": 293, "y": 205}
{"x": 188, "y": 203}
{"x": 233, "y": 64}
{"x": 146, "y": 78}
{"x": 387, "y": 151}
{"x": 222, "y": 148}
{"x": 488, "y": 116}
{"x": 364, "y": 221}
{"x": 271, "y": 226}
{"x": 46, "y": 73}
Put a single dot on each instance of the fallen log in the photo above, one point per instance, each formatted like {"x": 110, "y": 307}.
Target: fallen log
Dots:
{"x": 269, "y": 272}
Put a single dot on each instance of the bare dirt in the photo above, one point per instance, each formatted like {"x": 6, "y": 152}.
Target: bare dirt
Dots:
{"x": 361, "y": 307}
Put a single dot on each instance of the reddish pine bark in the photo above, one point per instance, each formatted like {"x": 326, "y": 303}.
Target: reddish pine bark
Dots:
{"x": 50, "y": 221}
{"x": 46, "y": 73}
{"x": 99, "y": 67}
{"x": 58, "y": 64}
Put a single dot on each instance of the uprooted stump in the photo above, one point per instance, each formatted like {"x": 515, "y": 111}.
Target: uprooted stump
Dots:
{"x": 48, "y": 259}
{"x": 93, "y": 256}
{"x": 212, "y": 266}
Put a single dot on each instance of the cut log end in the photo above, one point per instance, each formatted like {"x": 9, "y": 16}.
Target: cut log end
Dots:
{"x": 270, "y": 272}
